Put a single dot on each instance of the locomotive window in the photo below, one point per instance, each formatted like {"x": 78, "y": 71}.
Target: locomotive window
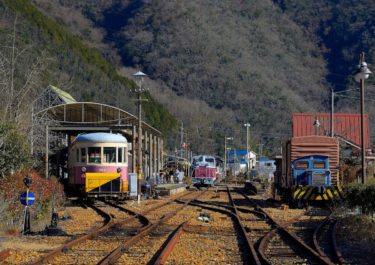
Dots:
{"x": 302, "y": 165}
{"x": 120, "y": 155}
{"x": 94, "y": 154}
{"x": 210, "y": 160}
{"x": 83, "y": 155}
{"x": 77, "y": 155}
{"x": 319, "y": 164}
{"x": 109, "y": 155}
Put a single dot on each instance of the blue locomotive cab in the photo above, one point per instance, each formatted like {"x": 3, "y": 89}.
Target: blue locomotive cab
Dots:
{"x": 312, "y": 171}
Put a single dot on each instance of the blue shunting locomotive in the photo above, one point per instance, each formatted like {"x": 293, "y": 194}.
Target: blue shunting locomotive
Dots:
{"x": 312, "y": 171}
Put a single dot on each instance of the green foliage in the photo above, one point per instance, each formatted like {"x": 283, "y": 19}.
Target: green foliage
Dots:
{"x": 14, "y": 154}
{"x": 361, "y": 195}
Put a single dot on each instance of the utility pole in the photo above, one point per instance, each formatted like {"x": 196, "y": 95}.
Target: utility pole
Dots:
{"x": 247, "y": 125}
{"x": 332, "y": 111}
{"x": 362, "y": 74}
{"x": 139, "y": 75}
{"x": 225, "y": 154}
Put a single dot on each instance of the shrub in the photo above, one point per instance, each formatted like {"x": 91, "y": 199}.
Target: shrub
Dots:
{"x": 14, "y": 153}
{"x": 361, "y": 195}
{"x": 48, "y": 193}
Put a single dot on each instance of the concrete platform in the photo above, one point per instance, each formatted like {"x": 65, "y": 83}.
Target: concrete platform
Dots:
{"x": 170, "y": 189}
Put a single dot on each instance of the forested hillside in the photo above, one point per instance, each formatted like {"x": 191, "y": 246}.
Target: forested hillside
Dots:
{"x": 62, "y": 59}
{"x": 218, "y": 64}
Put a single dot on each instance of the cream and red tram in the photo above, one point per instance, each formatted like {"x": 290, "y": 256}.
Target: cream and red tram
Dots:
{"x": 98, "y": 164}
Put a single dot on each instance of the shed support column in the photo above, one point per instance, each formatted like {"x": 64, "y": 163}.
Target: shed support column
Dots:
{"x": 134, "y": 154}
{"x": 145, "y": 164}
{"x": 161, "y": 154}
{"x": 150, "y": 156}
{"x": 155, "y": 156}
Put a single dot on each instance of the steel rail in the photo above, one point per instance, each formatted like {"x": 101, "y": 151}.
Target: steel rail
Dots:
{"x": 338, "y": 254}
{"x": 108, "y": 223}
{"x": 117, "y": 252}
{"x": 167, "y": 250}
{"x": 254, "y": 255}
{"x": 318, "y": 231}
{"x": 289, "y": 235}
{"x": 224, "y": 211}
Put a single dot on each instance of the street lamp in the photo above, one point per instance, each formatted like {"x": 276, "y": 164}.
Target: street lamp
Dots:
{"x": 247, "y": 125}
{"x": 362, "y": 73}
{"x": 225, "y": 154}
{"x": 316, "y": 124}
{"x": 139, "y": 76}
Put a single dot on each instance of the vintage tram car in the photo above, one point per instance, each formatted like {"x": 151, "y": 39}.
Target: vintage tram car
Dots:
{"x": 98, "y": 165}
{"x": 309, "y": 169}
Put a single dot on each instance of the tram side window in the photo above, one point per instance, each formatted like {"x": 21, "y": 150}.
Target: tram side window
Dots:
{"x": 83, "y": 155}
{"x": 109, "y": 154}
{"x": 120, "y": 155}
{"x": 94, "y": 155}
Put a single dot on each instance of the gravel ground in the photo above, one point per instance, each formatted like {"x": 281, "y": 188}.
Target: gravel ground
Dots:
{"x": 356, "y": 239}
{"x": 29, "y": 248}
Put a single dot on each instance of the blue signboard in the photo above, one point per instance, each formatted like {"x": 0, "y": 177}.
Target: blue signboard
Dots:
{"x": 27, "y": 198}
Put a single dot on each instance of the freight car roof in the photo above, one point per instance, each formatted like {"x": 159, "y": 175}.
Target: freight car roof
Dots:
{"x": 101, "y": 137}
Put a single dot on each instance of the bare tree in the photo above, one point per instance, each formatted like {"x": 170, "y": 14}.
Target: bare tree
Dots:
{"x": 20, "y": 72}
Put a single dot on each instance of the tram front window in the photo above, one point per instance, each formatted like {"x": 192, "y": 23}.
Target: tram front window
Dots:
{"x": 94, "y": 155}
{"x": 109, "y": 155}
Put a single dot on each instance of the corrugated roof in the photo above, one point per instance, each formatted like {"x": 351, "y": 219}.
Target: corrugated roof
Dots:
{"x": 66, "y": 97}
{"x": 346, "y": 125}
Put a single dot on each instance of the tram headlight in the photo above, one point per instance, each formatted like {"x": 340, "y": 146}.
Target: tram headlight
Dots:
{"x": 83, "y": 169}
{"x": 119, "y": 170}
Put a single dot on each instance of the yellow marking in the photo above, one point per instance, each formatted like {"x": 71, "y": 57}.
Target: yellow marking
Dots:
{"x": 329, "y": 193}
{"x": 318, "y": 198}
{"x": 302, "y": 193}
{"x": 295, "y": 193}
{"x": 325, "y": 196}
{"x": 308, "y": 194}
{"x": 95, "y": 179}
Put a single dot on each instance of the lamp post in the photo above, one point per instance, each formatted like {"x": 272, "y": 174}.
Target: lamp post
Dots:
{"x": 225, "y": 154}
{"x": 247, "y": 125}
{"x": 139, "y": 75}
{"x": 316, "y": 124}
{"x": 362, "y": 73}
{"x": 332, "y": 110}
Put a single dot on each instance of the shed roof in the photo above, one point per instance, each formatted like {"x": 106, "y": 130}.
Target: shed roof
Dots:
{"x": 64, "y": 96}
{"x": 346, "y": 125}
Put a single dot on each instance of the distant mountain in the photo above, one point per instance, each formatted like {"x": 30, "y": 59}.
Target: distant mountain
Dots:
{"x": 218, "y": 64}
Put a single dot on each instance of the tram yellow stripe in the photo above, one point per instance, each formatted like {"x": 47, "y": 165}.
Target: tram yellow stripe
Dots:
{"x": 95, "y": 180}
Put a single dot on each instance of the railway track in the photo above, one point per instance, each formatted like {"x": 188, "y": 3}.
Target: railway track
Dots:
{"x": 158, "y": 218}
{"x": 98, "y": 243}
{"x": 285, "y": 245}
